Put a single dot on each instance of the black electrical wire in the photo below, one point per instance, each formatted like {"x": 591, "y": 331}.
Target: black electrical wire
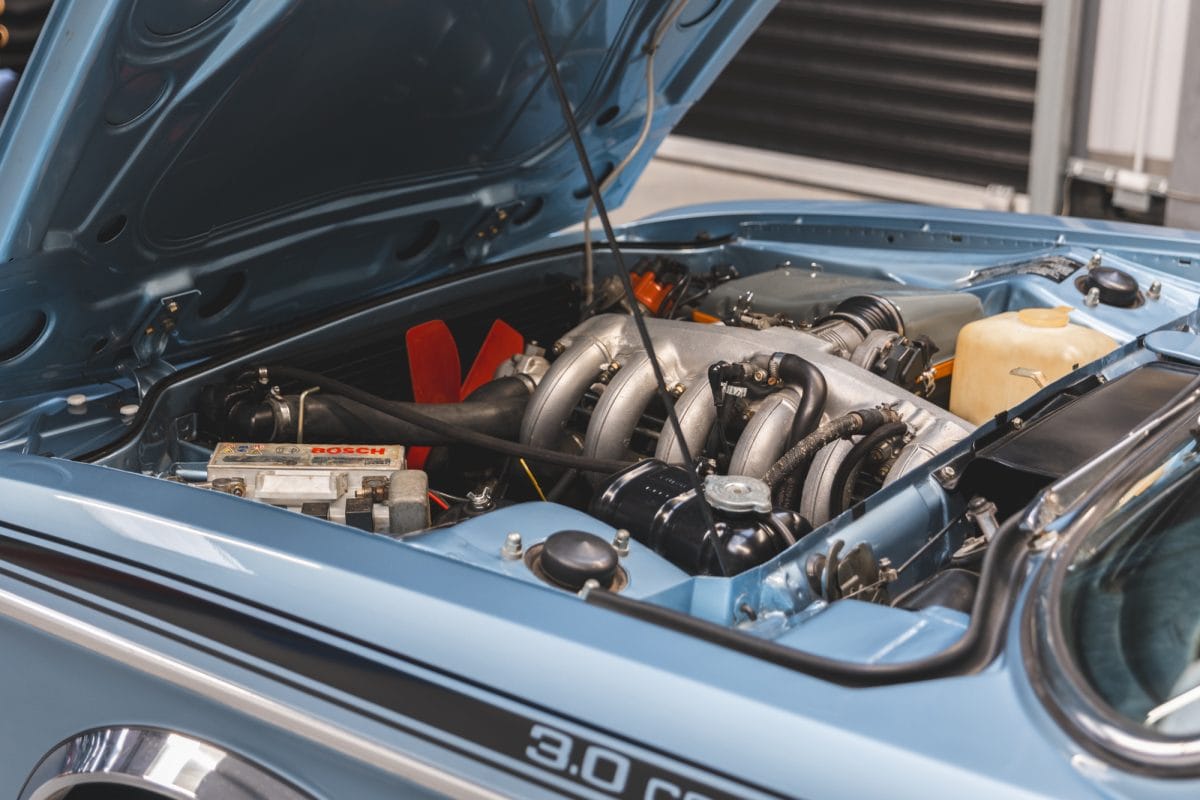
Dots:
{"x": 456, "y": 433}
{"x": 664, "y": 394}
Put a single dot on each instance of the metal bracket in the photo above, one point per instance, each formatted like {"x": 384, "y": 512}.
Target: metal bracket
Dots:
{"x": 145, "y": 377}
{"x": 150, "y": 341}
{"x": 1035, "y": 375}
{"x": 151, "y": 337}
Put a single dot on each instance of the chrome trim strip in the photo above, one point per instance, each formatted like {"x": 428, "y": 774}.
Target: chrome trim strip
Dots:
{"x": 239, "y": 698}
{"x": 164, "y": 762}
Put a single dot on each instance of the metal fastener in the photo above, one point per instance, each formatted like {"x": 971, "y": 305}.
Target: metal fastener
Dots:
{"x": 512, "y": 547}
{"x": 234, "y": 486}
{"x": 589, "y": 585}
{"x": 129, "y": 410}
{"x": 947, "y": 473}
{"x": 621, "y": 542}
{"x": 481, "y": 500}
{"x": 1092, "y": 299}
{"x": 1155, "y": 290}
{"x": 1017, "y": 423}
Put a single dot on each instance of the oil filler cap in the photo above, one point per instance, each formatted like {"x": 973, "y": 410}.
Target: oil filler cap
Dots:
{"x": 1116, "y": 287}
{"x": 572, "y": 558}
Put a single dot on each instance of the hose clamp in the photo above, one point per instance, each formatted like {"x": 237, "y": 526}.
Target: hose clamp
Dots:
{"x": 773, "y": 364}
{"x": 282, "y": 415}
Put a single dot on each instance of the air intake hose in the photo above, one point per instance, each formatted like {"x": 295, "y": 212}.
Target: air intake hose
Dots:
{"x": 495, "y": 409}
{"x": 855, "y": 318}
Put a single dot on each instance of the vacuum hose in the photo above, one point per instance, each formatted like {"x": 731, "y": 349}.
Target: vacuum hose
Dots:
{"x": 793, "y": 369}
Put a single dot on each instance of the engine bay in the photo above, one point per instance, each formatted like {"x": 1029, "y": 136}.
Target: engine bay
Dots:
{"x": 832, "y": 411}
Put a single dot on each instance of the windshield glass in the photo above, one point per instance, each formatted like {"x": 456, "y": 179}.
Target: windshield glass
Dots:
{"x": 1131, "y": 600}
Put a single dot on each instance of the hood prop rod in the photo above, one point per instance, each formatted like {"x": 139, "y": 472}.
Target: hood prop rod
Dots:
{"x": 639, "y": 321}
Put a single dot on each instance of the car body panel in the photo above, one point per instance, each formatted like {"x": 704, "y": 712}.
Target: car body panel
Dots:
{"x": 353, "y": 665}
{"x": 796, "y": 735}
{"x": 163, "y": 170}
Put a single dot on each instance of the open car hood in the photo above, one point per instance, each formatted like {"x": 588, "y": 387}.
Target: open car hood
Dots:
{"x": 180, "y": 174}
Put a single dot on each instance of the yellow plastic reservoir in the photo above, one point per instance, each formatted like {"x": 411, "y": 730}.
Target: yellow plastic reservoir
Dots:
{"x": 999, "y": 361}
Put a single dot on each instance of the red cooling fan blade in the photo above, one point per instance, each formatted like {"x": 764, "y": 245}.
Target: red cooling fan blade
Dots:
{"x": 435, "y": 371}
{"x": 501, "y": 344}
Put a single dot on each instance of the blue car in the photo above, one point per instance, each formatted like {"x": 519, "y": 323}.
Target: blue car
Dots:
{"x": 337, "y": 462}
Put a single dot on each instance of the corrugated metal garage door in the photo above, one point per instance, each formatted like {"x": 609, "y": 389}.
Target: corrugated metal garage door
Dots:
{"x": 943, "y": 88}
{"x": 22, "y": 21}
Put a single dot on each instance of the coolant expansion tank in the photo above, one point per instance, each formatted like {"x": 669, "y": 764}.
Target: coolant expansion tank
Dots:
{"x": 1003, "y": 359}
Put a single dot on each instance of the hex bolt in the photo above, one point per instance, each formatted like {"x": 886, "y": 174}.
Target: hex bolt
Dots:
{"x": 1155, "y": 290}
{"x": 621, "y": 542}
{"x": 512, "y": 548}
{"x": 1096, "y": 260}
{"x": 760, "y": 375}
{"x": 1093, "y": 298}
{"x": 947, "y": 473}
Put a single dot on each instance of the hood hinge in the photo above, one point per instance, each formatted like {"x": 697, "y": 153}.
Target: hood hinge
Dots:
{"x": 150, "y": 339}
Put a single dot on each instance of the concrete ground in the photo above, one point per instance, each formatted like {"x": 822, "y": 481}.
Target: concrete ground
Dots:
{"x": 687, "y": 171}
{"x": 669, "y": 184}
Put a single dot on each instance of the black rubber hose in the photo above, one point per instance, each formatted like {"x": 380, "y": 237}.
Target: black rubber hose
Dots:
{"x": 789, "y": 492}
{"x": 851, "y": 466}
{"x": 999, "y": 585}
{"x": 814, "y": 392}
{"x": 408, "y": 412}
{"x": 334, "y": 418}
{"x": 495, "y": 409}
{"x": 864, "y": 421}
{"x": 561, "y": 485}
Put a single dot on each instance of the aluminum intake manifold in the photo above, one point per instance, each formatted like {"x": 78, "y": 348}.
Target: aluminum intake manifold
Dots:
{"x": 685, "y": 351}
